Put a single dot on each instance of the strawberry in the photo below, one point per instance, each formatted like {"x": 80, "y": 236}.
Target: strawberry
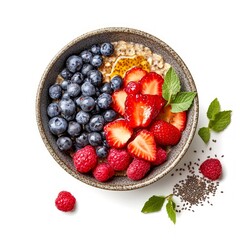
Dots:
{"x": 118, "y": 133}
{"x": 177, "y": 119}
{"x": 140, "y": 109}
{"x": 135, "y": 74}
{"x": 152, "y": 84}
{"x": 118, "y": 101}
{"x": 165, "y": 133}
{"x": 143, "y": 146}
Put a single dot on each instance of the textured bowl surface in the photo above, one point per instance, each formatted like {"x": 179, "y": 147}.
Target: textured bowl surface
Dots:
{"x": 111, "y": 35}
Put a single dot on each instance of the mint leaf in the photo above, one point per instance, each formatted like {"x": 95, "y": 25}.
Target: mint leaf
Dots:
{"x": 204, "y": 133}
{"x": 170, "y": 207}
{"x": 171, "y": 85}
{"x": 182, "y": 101}
{"x": 221, "y": 121}
{"x": 154, "y": 204}
{"x": 213, "y": 109}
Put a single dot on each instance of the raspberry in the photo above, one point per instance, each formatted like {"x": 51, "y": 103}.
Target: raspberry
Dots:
{"x": 85, "y": 159}
{"x": 211, "y": 168}
{"x": 65, "y": 201}
{"x": 103, "y": 172}
{"x": 137, "y": 169}
{"x": 119, "y": 159}
{"x": 160, "y": 158}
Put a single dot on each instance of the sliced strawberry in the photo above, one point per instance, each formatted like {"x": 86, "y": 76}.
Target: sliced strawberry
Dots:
{"x": 118, "y": 101}
{"x": 135, "y": 74}
{"x": 177, "y": 119}
{"x": 140, "y": 109}
{"x": 143, "y": 146}
{"x": 165, "y": 133}
{"x": 152, "y": 84}
{"x": 118, "y": 133}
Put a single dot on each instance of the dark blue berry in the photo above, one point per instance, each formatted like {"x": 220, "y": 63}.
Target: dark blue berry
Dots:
{"x": 74, "y": 128}
{"x": 77, "y": 78}
{"x": 101, "y": 151}
{"x": 82, "y": 117}
{"x": 74, "y": 63}
{"x": 64, "y": 143}
{"x": 95, "y": 139}
{"x": 96, "y": 61}
{"x": 67, "y": 107}
{"x": 53, "y": 109}
{"x": 95, "y": 49}
{"x": 73, "y": 89}
{"x": 55, "y": 91}
{"x": 95, "y": 77}
{"x": 96, "y": 123}
{"x": 109, "y": 115}
{"x": 66, "y": 74}
{"x": 69, "y": 117}
{"x": 86, "y": 56}
{"x": 64, "y": 84}
{"x": 87, "y": 104}
{"x": 57, "y": 125}
{"x": 104, "y": 100}
{"x": 88, "y": 89}
{"x": 106, "y": 88}
{"x": 107, "y": 49}
{"x": 86, "y": 68}
{"x": 82, "y": 140}
{"x": 65, "y": 96}
{"x": 116, "y": 83}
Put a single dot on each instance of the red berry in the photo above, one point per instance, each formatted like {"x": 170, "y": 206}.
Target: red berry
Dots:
{"x": 211, "y": 168}
{"x": 138, "y": 169}
{"x": 85, "y": 159}
{"x": 65, "y": 201}
{"x": 135, "y": 74}
{"x": 103, "y": 172}
{"x": 161, "y": 157}
{"x": 133, "y": 88}
{"x": 119, "y": 159}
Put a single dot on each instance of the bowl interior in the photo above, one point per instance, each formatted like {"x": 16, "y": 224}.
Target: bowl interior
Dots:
{"x": 111, "y": 35}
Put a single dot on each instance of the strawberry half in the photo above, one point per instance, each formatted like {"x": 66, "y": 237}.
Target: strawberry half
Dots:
{"x": 140, "y": 109}
{"x": 135, "y": 74}
{"x": 152, "y": 84}
{"x": 165, "y": 133}
{"x": 118, "y": 133}
{"x": 118, "y": 101}
{"x": 176, "y": 119}
{"x": 143, "y": 146}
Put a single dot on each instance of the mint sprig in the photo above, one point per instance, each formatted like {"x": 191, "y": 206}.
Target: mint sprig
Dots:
{"x": 155, "y": 204}
{"x": 218, "y": 120}
{"x": 171, "y": 91}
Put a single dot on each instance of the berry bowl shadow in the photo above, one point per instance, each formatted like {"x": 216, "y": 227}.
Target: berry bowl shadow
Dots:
{"x": 110, "y": 35}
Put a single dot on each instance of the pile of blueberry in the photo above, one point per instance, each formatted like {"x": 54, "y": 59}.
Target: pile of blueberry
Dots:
{"x": 81, "y": 103}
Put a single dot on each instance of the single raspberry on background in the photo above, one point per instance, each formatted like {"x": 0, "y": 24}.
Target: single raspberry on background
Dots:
{"x": 211, "y": 168}
{"x": 65, "y": 201}
{"x": 85, "y": 159}
{"x": 119, "y": 159}
{"x": 138, "y": 169}
{"x": 161, "y": 157}
{"x": 103, "y": 172}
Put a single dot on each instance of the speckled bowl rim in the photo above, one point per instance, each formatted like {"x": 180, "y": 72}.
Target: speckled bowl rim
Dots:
{"x": 134, "y": 184}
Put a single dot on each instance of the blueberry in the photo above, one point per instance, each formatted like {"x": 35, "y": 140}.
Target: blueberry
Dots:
{"x": 77, "y": 78}
{"x": 95, "y": 139}
{"x": 74, "y": 63}
{"x": 55, "y": 91}
{"x": 57, "y": 125}
{"x": 95, "y": 49}
{"x": 64, "y": 143}
{"x": 116, "y": 83}
{"x": 86, "y": 68}
{"x": 109, "y": 115}
{"x": 86, "y": 56}
{"x": 107, "y": 49}
{"x": 104, "y": 100}
{"x": 74, "y": 128}
{"x": 96, "y": 61}
{"x": 98, "y": 93}
{"x": 65, "y": 96}
{"x": 106, "y": 88}
{"x": 82, "y": 117}
{"x": 87, "y": 104}
{"x": 87, "y": 128}
{"x": 101, "y": 151}
{"x": 66, "y": 74}
{"x": 73, "y": 89}
{"x": 82, "y": 140}
{"x": 64, "y": 84}
{"x": 96, "y": 123}
{"x": 69, "y": 117}
{"x": 88, "y": 89}
{"x": 95, "y": 77}
{"x": 53, "y": 109}
{"x": 67, "y": 107}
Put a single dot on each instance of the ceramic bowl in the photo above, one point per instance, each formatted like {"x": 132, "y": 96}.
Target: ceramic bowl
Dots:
{"x": 110, "y": 35}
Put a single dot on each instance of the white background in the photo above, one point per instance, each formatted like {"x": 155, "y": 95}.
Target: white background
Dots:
{"x": 206, "y": 36}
